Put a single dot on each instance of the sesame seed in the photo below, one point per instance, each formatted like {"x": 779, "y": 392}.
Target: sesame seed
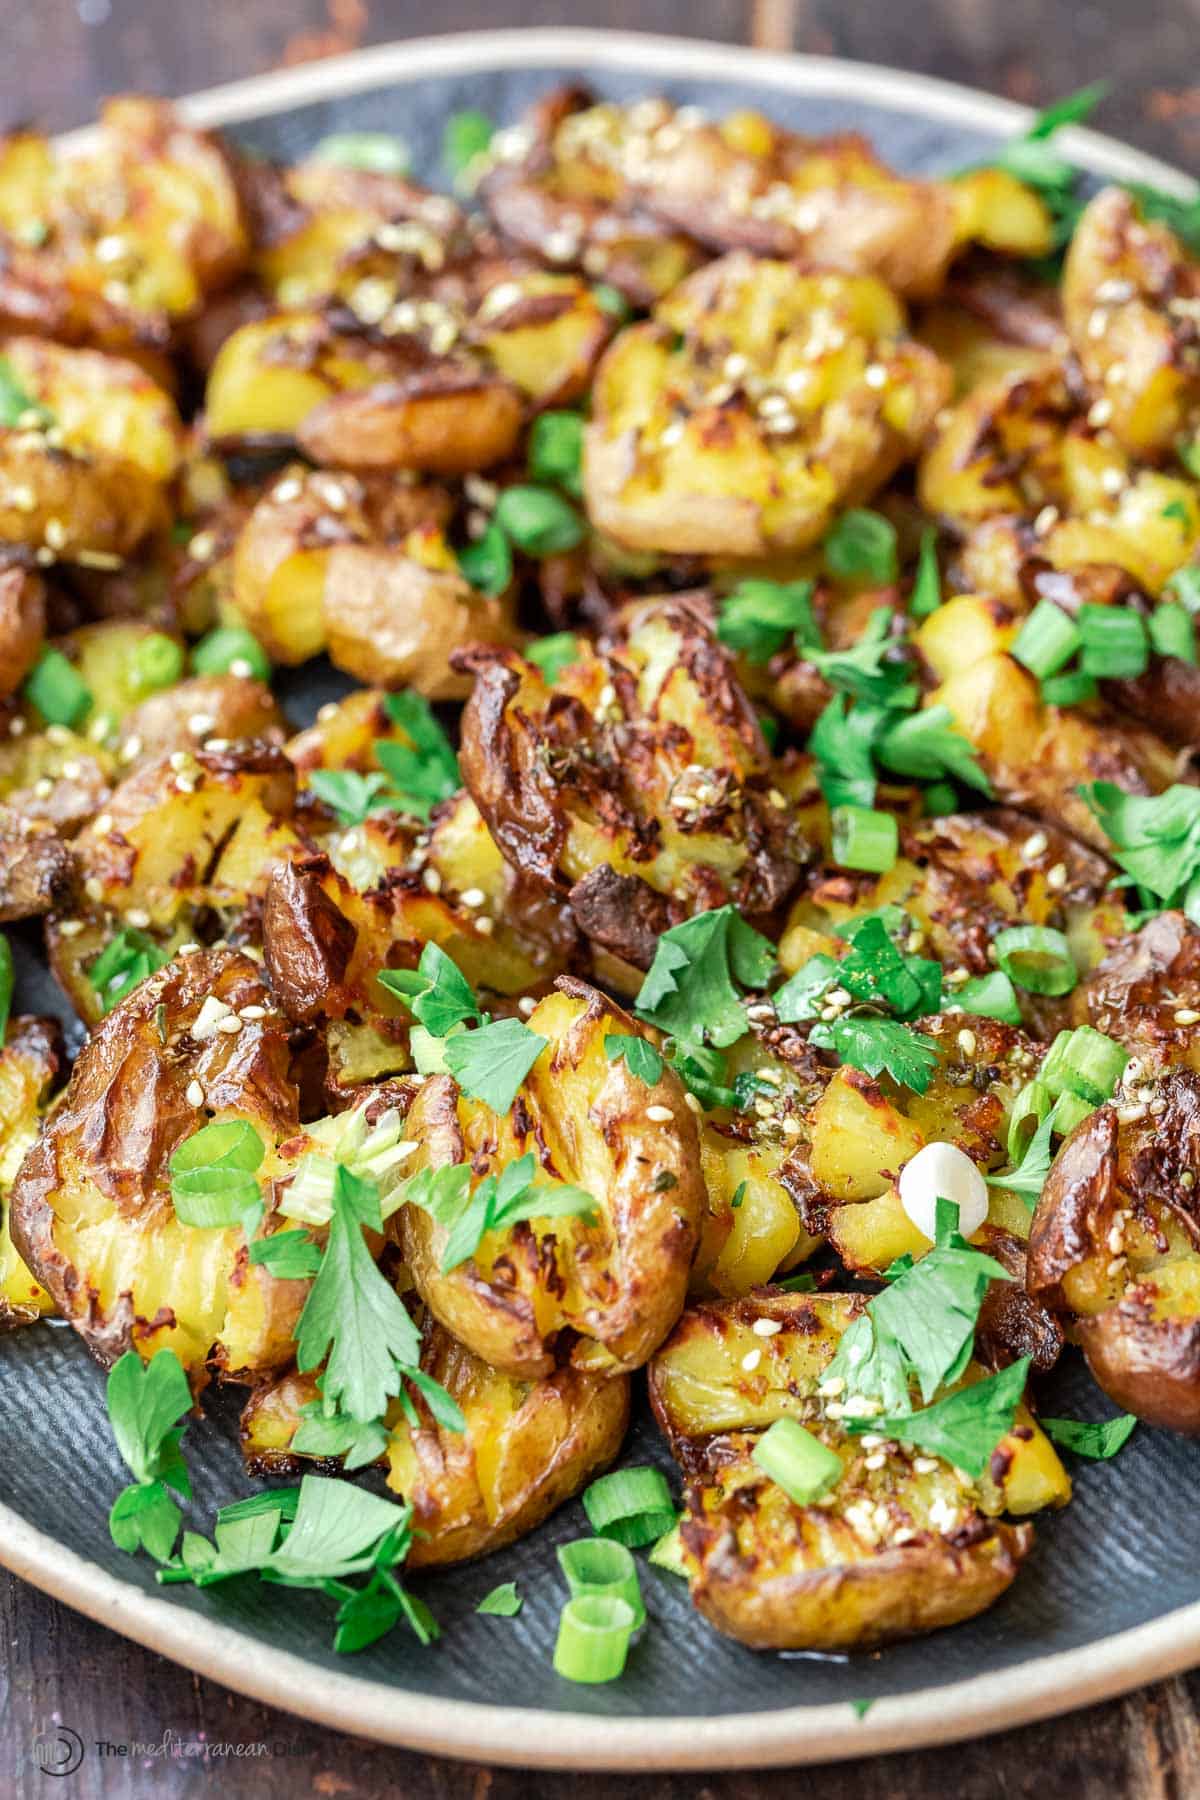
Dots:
{"x": 1187, "y": 1015}
{"x": 1115, "y": 1266}
{"x": 1058, "y": 876}
{"x": 93, "y": 887}
{"x": 102, "y": 824}
{"x": 194, "y": 1094}
{"x": 57, "y": 734}
{"x": 875, "y": 375}
{"x": 1035, "y": 846}
{"x": 290, "y": 489}
{"x": 43, "y": 787}
{"x": 924, "y": 1465}
{"x": 203, "y": 546}
{"x": 485, "y": 926}
{"x": 473, "y": 897}
{"x": 1046, "y": 520}
{"x": 526, "y": 1005}
{"x": 188, "y": 950}
{"x": 876, "y": 1460}
{"x": 239, "y": 666}
{"x": 1116, "y": 1240}
{"x": 777, "y": 800}
{"x": 661, "y": 1115}
{"x": 200, "y": 724}
{"x": 692, "y": 1103}
{"x": 431, "y": 881}
{"x": 230, "y": 1026}
{"x": 751, "y": 1361}
{"x": 1112, "y": 481}
{"x": 138, "y": 917}
{"x": 967, "y": 1041}
{"x": 792, "y": 1128}
{"x": 131, "y": 748}
{"x": 70, "y": 928}
{"x": 831, "y": 1386}
{"x": 766, "y": 1327}
{"x": 72, "y": 769}
{"x": 250, "y": 1013}
{"x": 1100, "y": 413}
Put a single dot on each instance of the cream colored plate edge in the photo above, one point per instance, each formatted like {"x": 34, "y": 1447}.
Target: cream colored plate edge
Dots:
{"x": 1037, "y": 1689}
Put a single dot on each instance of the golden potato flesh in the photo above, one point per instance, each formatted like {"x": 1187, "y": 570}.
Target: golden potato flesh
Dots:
{"x": 528, "y": 1447}
{"x": 354, "y": 404}
{"x": 616, "y": 1285}
{"x": 1144, "y": 992}
{"x": 76, "y": 274}
{"x": 1113, "y": 1246}
{"x": 22, "y": 625}
{"x": 900, "y": 1547}
{"x": 1035, "y": 755}
{"x": 756, "y": 404}
{"x": 91, "y": 1207}
{"x": 84, "y": 469}
{"x": 1131, "y": 303}
{"x": 640, "y": 779}
{"x": 30, "y": 1062}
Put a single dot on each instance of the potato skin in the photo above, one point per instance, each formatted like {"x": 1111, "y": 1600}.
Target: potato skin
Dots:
{"x": 22, "y": 625}
{"x": 37, "y": 869}
{"x": 1134, "y": 994}
{"x": 619, "y": 1284}
{"x": 229, "y": 707}
{"x": 91, "y": 1209}
{"x": 31, "y": 1061}
{"x": 527, "y": 1448}
{"x": 1112, "y": 1249}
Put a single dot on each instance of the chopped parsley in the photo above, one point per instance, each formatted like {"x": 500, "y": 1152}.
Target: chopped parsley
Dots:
{"x": 1156, "y": 841}
{"x": 437, "y": 992}
{"x": 17, "y": 406}
{"x": 425, "y": 770}
{"x": 862, "y": 547}
{"x": 123, "y": 964}
{"x": 503, "y": 1602}
{"x": 964, "y": 1427}
{"x": 146, "y": 1402}
{"x": 491, "y": 1062}
{"x": 692, "y": 989}
{"x": 1096, "y": 1439}
{"x": 880, "y": 1047}
{"x": 760, "y": 618}
{"x": 639, "y": 1055}
{"x": 555, "y": 653}
{"x": 496, "y": 1204}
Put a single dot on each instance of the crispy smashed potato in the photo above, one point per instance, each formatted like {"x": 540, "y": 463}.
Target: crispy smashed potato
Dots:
{"x": 30, "y": 1063}
{"x": 527, "y": 1448}
{"x": 902, "y": 1545}
{"x": 615, "y": 1284}
{"x": 755, "y": 404}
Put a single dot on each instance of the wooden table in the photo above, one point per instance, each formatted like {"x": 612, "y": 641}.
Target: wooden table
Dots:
{"x": 61, "y": 57}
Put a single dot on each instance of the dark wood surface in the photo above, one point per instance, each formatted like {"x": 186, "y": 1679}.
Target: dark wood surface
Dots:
{"x": 60, "y": 58}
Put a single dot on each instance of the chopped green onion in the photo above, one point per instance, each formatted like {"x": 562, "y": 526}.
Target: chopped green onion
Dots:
{"x": 379, "y": 152}
{"x": 593, "y": 1638}
{"x": 631, "y": 1506}
{"x": 796, "y": 1461}
{"x": 223, "y": 1144}
{"x": 556, "y": 450}
{"x": 58, "y": 690}
{"x": 863, "y": 838}
{"x": 612, "y": 301}
{"x": 1115, "y": 645}
{"x": 926, "y": 595}
{"x": 1185, "y": 585}
{"x": 555, "y": 653}
{"x": 1084, "y": 1062}
{"x": 465, "y": 136}
{"x": 157, "y": 662}
{"x": 862, "y": 547}
{"x": 990, "y": 997}
{"x": 1172, "y": 632}
{"x": 7, "y": 982}
{"x": 1037, "y": 958}
{"x": 668, "y": 1552}
{"x": 1070, "y": 1111}
{"x": 1188, "y": 452}
{"x": 212, "y": 1199}
{"x": 602, "y": 1566}
{"x": 938, "y": 799}
{"x": 1046, "y": 641}
{"x": 1072, "y": 689}
{"x": 1036, "y": 1102}
{"x": 487, "y": 562}
{"x": 231, "y": 650}
{"x": 538, "y": 520}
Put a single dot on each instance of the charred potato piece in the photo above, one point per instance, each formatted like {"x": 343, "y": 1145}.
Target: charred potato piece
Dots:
{"x": 22, "y": 625}
{"x": 225, "y": 709}
{"x": 1113, "y": 1248}
{"x": 85, "y": 469}
{"x": 52, "y": 777}
{"x": 639, "y": 785}
{"x": 1035, "y": 755}
{"x": 543, "y": 333}
{"x": 70, "y": 274}
{"x": 528, "y": 1447}
{"x": 30, "y": 1062}
{"x": 899, "y": 1549}
{"x": 757, "y": 403}
{"x": 91, "y": 1210}
{"x": 615, "y": 1286}
{"x": 351, "y": 403}
{"x": 1131, "y": 300}
{"x": 37, "y": 869}
{"x": 1144, "y": 993}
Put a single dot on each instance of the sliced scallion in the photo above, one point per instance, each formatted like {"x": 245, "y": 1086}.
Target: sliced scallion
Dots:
{"x": 231, "y": 650}
{"x": 631, "y": 1506}
{"x": 58, "y": 690}
{"x": 157, "y": 662}
{"x": 1173, "y": 631}
{"x": 602, "y": 1566}
{"x": 1037, "y": 958}
{"x": 863, "y": 838}
{"x": 1070, "y": 1111}
{"x": 1032, "y": 1105}
{"x": 668, "y": 1552}
{"x": 990, "y": 997}
{"x": 593, "y": 1638}
{"x": 796, "y": 1461}
{"x": 1046, "y": 641}
{"x": 1115, "y": 646}
{"x": 1084, "y": 1062}
{"x": 1072, "y": 689}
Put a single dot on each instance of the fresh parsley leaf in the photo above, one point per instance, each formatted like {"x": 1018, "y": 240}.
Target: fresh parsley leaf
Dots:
{"x": 1071, "y": 110}
{"x": 875, "y": 669}
{"x": 926, "y": 594}
{"x": 689, "y": 991}
{"x": 738, "y": 1195}
{"x": 842, "y": 743}
{"x": 1029, "y": 1177}
{"x": 927, "y": 746}
{"x": 877, "y": 972}
{"x": 803, "y": 1283}
{"x": 964, "y": 1427}
{"x": 491, "y": 1062}
{"x": 760, "y": 618}
{"x": 123, "y": 964}
{"x": 288, "y": 1255}
{"x": 641, "y": 1058}
{"x": 504, "y": 1602}
{"x": 437, "y": 991}
{"x": 352, "y": 1316}
{"x": 555, "y": 653}
{"x": 358, "y": 1442}
{"x": 497, "y": 1204}
{"x": 862, "y": 547}
{"x": 860, "y": 1708}
{"x": 426, "y": 772}
{"x": 880, "y": 1046}
{"x": 145, "y": 1403}
{"x": 1096, "y": 1439}
{"x": 801, "y": 996}
{"x": 350, "y": 796}
{"x": 1155, "y": 840}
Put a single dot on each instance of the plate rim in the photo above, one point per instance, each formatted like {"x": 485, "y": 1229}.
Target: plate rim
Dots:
{"x": 1037, "y": 1688}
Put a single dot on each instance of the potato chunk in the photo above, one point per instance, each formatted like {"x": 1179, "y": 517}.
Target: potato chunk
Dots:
{"x": 757, "y": 403}
{"x": 898, "y": 1549}
{"x": 616, "y": 1285}
{"x": 30, "y": 1062}
{"x": 91, "y": 1209}
{"x": 527, "y": 1447}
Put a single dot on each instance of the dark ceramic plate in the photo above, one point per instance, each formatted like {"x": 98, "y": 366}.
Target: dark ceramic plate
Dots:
{"x": 1111, "y": 1595}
